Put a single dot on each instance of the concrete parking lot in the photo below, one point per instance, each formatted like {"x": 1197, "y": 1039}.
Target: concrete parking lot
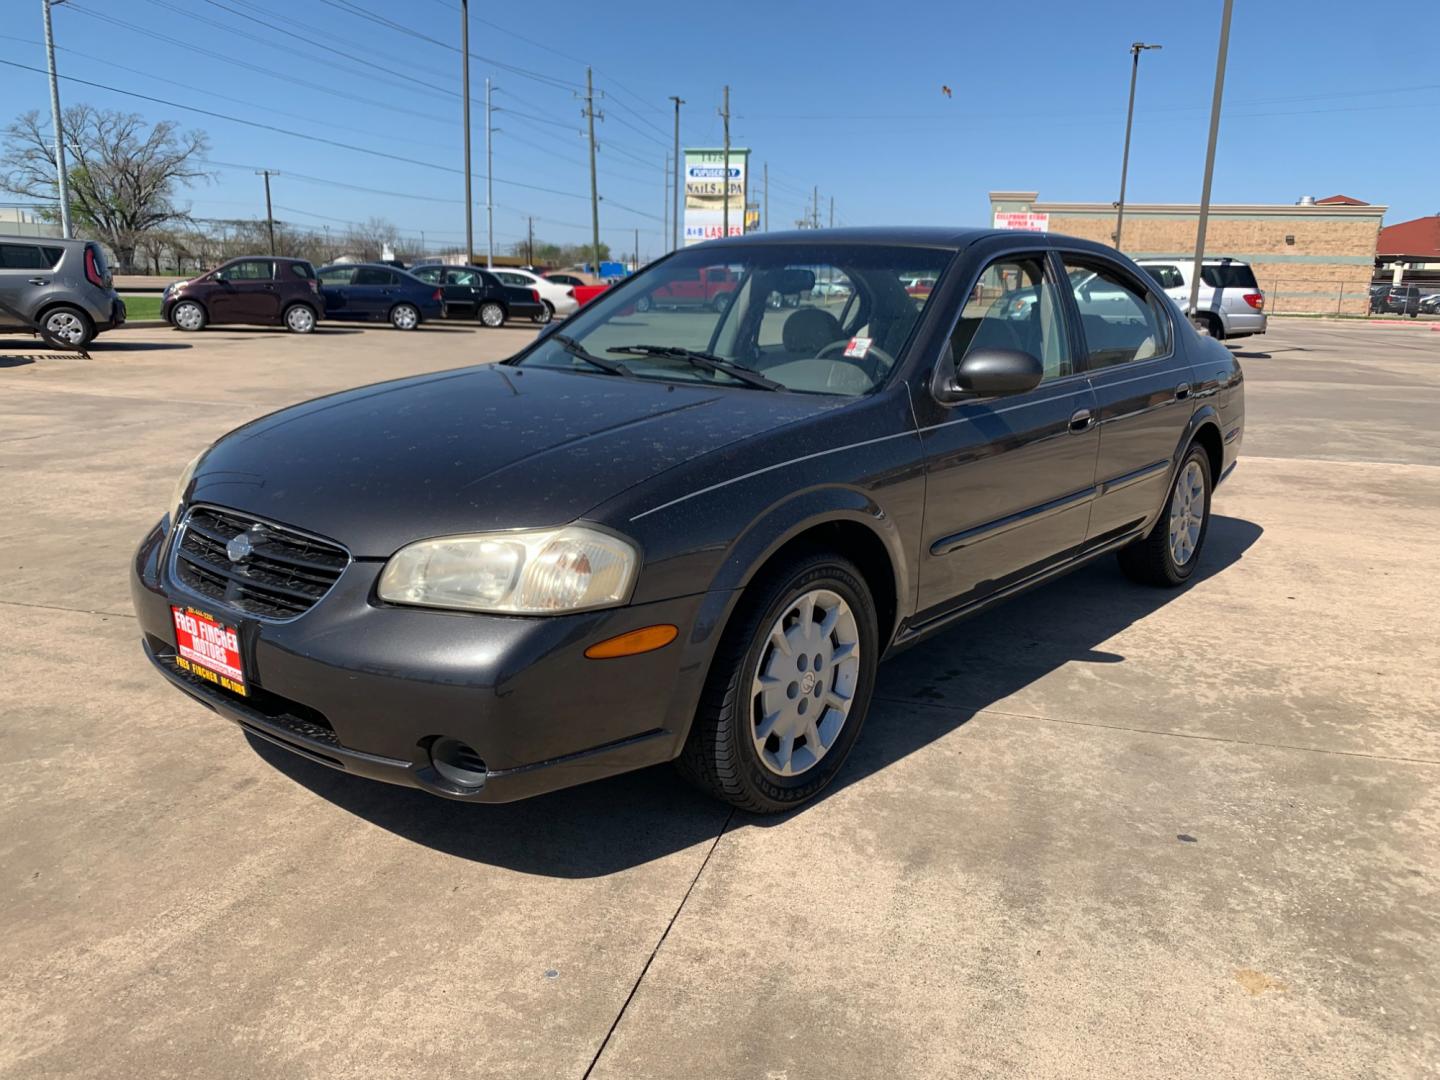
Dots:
{"x": 1100, "y": 831}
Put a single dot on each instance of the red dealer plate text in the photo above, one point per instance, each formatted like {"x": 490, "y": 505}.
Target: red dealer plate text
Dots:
{"x": 209, "y": 648}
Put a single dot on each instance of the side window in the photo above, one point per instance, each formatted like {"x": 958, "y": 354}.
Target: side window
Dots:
{"x": 22, "y": 257}
{"x": 1121, "y": 320}
{"x": 1015, "y": 305}
{"x": 373, "y": 275}
{"x": 514, "y": 279}
{"x": 460, "y": 277}
{"x": 337, "y": 275}
{"x": 248, "y": 270}
{"x": 1167, "y": 277}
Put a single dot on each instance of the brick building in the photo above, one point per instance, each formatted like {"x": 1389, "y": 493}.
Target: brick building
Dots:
{"x": 1310, "y": 257}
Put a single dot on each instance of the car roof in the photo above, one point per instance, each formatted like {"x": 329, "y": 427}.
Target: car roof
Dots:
{"x": 903, "y": 235}
{"x": 1220, "y": 260}
{"x": 42, "y": 241}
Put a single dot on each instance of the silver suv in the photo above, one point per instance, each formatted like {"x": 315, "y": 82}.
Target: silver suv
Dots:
{"x": 62, "y": 286}
{"x": 1230, "y": 300}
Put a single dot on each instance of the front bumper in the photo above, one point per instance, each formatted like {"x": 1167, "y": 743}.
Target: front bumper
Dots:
{"x": 365, "y": 687}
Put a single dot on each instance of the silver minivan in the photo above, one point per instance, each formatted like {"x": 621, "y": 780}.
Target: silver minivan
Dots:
{"x": 1230, "y": 300}
{"x": 62, "y": 286}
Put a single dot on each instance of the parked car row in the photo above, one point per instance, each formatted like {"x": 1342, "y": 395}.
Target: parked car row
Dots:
{"x": 1401, "y": 300}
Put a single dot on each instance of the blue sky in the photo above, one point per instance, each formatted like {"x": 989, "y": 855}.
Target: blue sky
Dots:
{"x": 1320, "y": 98}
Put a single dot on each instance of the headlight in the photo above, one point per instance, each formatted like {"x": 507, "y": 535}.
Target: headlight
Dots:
{"x": 178, "y": 495}
{"x": 542, "y": 572}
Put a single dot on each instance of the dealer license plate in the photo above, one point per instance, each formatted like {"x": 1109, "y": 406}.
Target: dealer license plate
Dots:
{"x": 209, "y": 648}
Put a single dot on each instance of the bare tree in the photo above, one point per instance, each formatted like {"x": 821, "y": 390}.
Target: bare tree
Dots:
{"x": 123, "y": 177}
{"x": 368, "y": 241}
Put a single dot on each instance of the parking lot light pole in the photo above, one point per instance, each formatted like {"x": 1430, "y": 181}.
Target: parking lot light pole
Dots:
{"x": 1210, "y": 158}
{"x": 62, "y": 177}
{"x": 489, "y": 184}
{"x": 465, "y": 99}
{"x": 1135, "y": 50}
{"x": 679, "y": 177}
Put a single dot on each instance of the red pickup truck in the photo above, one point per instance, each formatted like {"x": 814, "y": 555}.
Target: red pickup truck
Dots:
{"x": 708, "y": 286}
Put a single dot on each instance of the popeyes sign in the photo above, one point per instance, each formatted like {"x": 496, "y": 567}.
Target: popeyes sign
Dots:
{"x": 1025, "y": 222}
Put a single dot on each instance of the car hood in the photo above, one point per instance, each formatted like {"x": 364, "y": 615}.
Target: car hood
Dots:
{"x": 490, "y": 447}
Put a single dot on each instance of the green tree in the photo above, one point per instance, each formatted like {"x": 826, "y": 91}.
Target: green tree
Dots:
{"x": 124, "y": 173}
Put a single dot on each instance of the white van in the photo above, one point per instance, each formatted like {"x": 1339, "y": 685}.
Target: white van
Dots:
{"x": 1229, "y": 300}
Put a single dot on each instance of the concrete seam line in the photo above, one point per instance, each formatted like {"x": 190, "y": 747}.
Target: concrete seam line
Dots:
{"x": 655, "y": 951}
{"x": 974, "y": 711}
{"x": 72, "y": 610}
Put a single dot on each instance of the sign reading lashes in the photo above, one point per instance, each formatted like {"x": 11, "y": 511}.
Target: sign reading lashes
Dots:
{"x": 708, "y": 189}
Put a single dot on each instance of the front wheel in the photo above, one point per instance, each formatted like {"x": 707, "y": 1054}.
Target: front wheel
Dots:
{"x": 789, "y": 687}
{"x": 188, "y": 315}
{"x": 644, "y": 304}
{"x": 1168, "y": 554}
{"x": 404, "y": 317}
{"x": 299, "y": 319}
{"x": 492, "y": 315}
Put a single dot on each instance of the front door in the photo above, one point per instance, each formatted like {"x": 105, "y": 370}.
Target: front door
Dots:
{"x": 373, "y": 292}
{"x": 1010, "y": 479}
{"x": 462, "y": 292}
{"x": 1142, "y": 391}
{"x": 245, "y": 293}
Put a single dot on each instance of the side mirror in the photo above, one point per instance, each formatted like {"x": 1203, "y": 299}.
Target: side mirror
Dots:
{"x": 986, "y": 373}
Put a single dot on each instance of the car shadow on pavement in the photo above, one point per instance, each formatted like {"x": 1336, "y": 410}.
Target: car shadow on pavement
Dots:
{"x": 624, "y": 821}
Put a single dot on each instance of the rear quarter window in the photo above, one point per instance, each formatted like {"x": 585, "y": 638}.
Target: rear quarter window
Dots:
{"x": 303, "y": 270}
{"x": 1228, "y": 276}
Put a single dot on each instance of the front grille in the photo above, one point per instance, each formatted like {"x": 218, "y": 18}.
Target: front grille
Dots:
{"x": 284, "y": 575}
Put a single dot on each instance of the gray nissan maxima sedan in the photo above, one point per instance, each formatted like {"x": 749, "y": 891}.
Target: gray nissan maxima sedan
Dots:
{"x": 689, "y": 534}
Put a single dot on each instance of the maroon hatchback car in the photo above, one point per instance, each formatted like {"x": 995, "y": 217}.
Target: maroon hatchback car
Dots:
{"x": 258, "y": 290}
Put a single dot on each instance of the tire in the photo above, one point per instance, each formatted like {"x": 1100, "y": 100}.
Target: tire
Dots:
{"x": 720, "y": 303}
{"x": 492, "y": 315}
{"x": 70, "y": 325}
{"x": 722, "y": 753}
{"x": 404, "y": 316}
{"x": 546, "y": 315}
{"x": 299, "y": 318}
{"x": 1217, "y": 328}
{"x": 189, "y": 316}
{"x": 1164, "y": 556}
{"x": 644, "y": 304}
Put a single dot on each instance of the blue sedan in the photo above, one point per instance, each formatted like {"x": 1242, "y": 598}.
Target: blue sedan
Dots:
{"x": 376, "y": 292}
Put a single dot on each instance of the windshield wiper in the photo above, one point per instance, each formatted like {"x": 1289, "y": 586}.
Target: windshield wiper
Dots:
{"x": 703, "y": 360}
{"x": 574, "y": 348}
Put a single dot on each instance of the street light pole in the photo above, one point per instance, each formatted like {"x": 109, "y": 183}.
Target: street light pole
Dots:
{"x": 489, "y": 185}
{"x": 61, "y": 173}
{"x": 465, "y": 97}
{"x": 1210, "y": 157}
{"x": 1135, "y": 50}
{"x": 679, "y": 178}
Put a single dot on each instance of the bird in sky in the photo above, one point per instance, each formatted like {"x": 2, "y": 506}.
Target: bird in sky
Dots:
{"x": 946, "y": 91}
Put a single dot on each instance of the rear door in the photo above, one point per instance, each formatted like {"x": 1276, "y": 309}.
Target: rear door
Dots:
{"x": 462, "y": 291}
{"x": 1141, "y": 388}
{"x": 1010, "y": 479}
{"x": 26, "y": 277}
{"x": 335, "y": 288}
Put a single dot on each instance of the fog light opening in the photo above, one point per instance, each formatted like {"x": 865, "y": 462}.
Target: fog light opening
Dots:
{"x": 457, "y": 762}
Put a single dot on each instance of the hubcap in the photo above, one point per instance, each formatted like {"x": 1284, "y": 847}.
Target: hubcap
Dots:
{"x": 405, "y": 318}
{"x": 187, "y": 317}
{"x": 491, "y": 315}
{"x": 546, "y": 314}
{"x": 1187, "y": 513}
{"x": 301, "y": 319}
{"x": 65, "y": 326}
{"x": 804, "y": 683}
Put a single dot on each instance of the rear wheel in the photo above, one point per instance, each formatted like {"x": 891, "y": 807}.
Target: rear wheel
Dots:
{"x": 789, "y": 687}
{"x": 720, "y": 303}
{"x": 545, "y": 315}
{"x": 188, "y": 315}
{"x": 1168, "y": 554}
{"x": 644, "y": 304}
{"x": 1214, "y": 325}
{"x": 299, "y": 318}
{"x": 70, "y": 325}
{"x": 492, "y": 315}
{"x": 405, "y": 316}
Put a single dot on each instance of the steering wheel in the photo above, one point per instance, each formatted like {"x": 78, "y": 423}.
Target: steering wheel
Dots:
{"x": 871, "y": 361}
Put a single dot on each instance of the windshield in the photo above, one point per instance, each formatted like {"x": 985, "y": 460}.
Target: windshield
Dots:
{"x": 813, "y": 318}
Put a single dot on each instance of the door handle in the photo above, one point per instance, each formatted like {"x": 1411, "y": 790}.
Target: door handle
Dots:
{"x": 1081, "y": 420}
{"x": 1182, "y": 391}
{"x": 39, "y": 281}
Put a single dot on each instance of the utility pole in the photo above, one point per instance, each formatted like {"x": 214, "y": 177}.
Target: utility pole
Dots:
{"x": 1135, "y": 50}
{"x": 765, "y": 224}
{"x": 815, "y": 209}
{"x": 637, "y": 249}
{"x": 269, "y": 216}
{"x": 489, "y": 185}
{"x": 725, "y": 180}
{"x": 678, "y": 179}
{"x": 665, "y": 205}
{"x": 465, "y": 98}
{"x": 832, "y": 211}
{"x": 62, "y": 175}
{"x": 594, "y": 186}
{"x": 530, "y": 241}
{"x": 1210, "y": 156}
